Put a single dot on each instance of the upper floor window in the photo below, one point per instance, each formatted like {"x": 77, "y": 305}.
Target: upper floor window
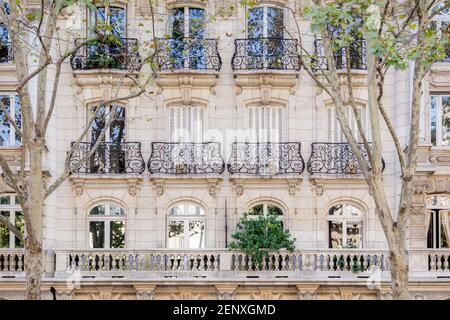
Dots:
{"x": 116, "y": 131}
{"x": 186, "y": 226}
{"x": 186, "y": 123}
{"x": 345, "y": 223}
{"x": 8, "y": 135}
{"x": 11, "y": 210}
{"x": 5, "y": 45}
{"x": 107, "y": 226}
{"x": 265, "y": 22}
{"x": 109, "y": 20}
{"x": 440, "y": 120}
{"x": 333, "y": 127}
{"x": 266, "y": 123}
{"x": 188, "y": 22}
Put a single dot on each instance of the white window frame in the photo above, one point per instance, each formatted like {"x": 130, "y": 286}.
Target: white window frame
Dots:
{"x": 265, "y": 8}
{"x": 92, "y": 15}
{"x": 334, "y": 132}
{"x": 107, "y": 138}
{"x": 186, "y": 218}
{"x": 345, "y": 219}
{"x": 270, "y": 115}
{"x": 106, "y": 218}
{"x": 12, "y": 207}
{"x": 266, "y": 205}
{"x": 12, "y": 114}
{"x": 192, "y": 120}
{"x": 439, "y": 114}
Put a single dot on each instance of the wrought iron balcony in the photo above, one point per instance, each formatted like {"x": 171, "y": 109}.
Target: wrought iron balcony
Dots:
{"x": 335, "y": 158}
{"x": 266, "y": 54}
{"x": 186, "y": 158}
{"x": 266, "y": 158}
{"x": 6, "y": 52}
{"x": 357, "y": 56}
{"x": 109, "y": 158}
{"x": 188, "y": 54}
{"x": 122, "y": 56}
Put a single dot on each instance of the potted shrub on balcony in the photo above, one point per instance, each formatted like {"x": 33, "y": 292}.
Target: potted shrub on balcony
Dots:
{"x": 105, "y": 52}
{"x": 260, "y": 237}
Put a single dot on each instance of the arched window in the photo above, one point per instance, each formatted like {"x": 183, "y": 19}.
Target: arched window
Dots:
{"x": 10, "y": 209}
{"x": 345, "y": 223}
{"x": 438, "y": 213}
{"x": 265, "y": 209}
{"x": 107, "y": 226}
{"x": 186, "y": 226}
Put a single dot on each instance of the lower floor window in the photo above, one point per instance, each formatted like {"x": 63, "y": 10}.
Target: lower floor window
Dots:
{"x": 11, "y": 210}
{"x": 107, "y": 226}
{"x": 186, "y": 226}
{"x": 345, "y": 227}
{"x": 438, "y": 229}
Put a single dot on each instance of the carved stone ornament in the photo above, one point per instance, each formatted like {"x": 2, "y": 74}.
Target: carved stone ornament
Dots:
{"x": 159, "y": 187}
{"x": 238, "y": 186}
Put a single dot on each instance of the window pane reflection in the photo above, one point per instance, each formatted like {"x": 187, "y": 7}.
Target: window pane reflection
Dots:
{"x": 97, "y": 234}
{"x": 176, "y": 234}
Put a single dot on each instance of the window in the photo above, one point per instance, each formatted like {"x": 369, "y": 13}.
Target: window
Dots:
{"x": 440, "y": 120}
{"x": 345, "y": 223}
{"x": 266, "y": 209}
{"x": 266, "y": 123}
{"x": 187, "y": 23}
{"x": 441, "y": 22}
{"x": 110, "y": 155}
{"x": 107, "y": 226}
{"x": 109, "y": 19}
{"x": 186, "y": 226}
{"x": 438, "y": 214}
{"x": 11, "y": 210}
{"x": 334, "y": 132}
{"x": 186, "y": 123}
{"x": 5, "y": 45}
{"x": 8, "y": 135}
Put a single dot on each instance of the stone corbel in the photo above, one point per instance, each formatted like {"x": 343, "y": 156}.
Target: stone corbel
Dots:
{"x": 159, "y": 186}
{"x": 238, "y": 186}
{"x": 293, "y": 183}
{"x": 317, "y": 187}
{"x": 213, "y": 186}
{"x": 133, "y": 187}
{"x": 78, "y": 187}
{"x": 226, "y": 291}
{"x": 145, "y": 292}
{"x": 185, "y": 94}
{"x": 307, "y": 292}
{"x": 266, "y": 93}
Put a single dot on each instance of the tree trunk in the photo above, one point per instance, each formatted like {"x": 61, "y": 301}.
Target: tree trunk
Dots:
{"x": 399, "y": 275}
{"x": 34, "y": 269}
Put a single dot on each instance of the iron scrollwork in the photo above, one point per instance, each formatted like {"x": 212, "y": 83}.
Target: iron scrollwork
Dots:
{"x": 266, "y": 54}
{"x": 335, "y": 158}
{"x": 186, "y": 158}
{"x": 357, "y": 56}
{"x": 266, "y": 158}
{"x": 110, "y": 157}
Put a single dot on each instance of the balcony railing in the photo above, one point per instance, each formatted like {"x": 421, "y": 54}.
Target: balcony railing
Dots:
{"x": 266, "y": 158}
{"x": 188, "y": 54}
{"x": 186, "y": 158}
{"x": 123, "y": 56}
{"x": 335, "y": 158}
{"x": 266, "y": 54}
{"x": 357, "y": 56}
{"x": 6, "y": 52}
{"x": 12, "y": 261}
{"x": 439, "y": 260}
{"x": 109, "y": 158}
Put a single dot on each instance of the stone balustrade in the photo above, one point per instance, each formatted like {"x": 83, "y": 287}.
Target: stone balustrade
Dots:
{"x": 11, "y": 263}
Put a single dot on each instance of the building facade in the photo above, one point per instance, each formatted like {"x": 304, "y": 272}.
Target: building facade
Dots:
{"x": 231, "y": 124}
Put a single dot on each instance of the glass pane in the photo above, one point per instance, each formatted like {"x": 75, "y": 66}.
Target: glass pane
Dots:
{"x": 117, "y": 20}
{"x": 116, "y": 211}
{"x": 5, "y": 129}
{"x": 98, "y": 210}
{"x": 196, "y": 23}
{"x": 196, "y": 234}
{"x": 275, "y": 21}
{"x": 18, "y": 120}
{"x": 353, "y": 211}
{"x": 97, "y": 234}
{"x": 255, "y": 23}
{"x": 21, "y": 226}
{"x": 117, "y": 234}
{"x": 433, "y": 119}
{"x": 354, "y": 229}
{"x": 335, "y": 234}
{"x": 446, "y": 120}
{"x": 5, "y": 200}
{"x": 16, "y": 200}
{"x": 98, "y": 124}
{"x": 4, "y": 44}
{"x": 117, "y": 128}
{"x": 4, "y": 232}
{"x": 257, "y": 210}
{"x": 178, "y": 23}
{"x": 335, "y": 210}
{"x": 273, "y": 210}
{"x": 187, "y": 209}
{"x": 176, "y": 234}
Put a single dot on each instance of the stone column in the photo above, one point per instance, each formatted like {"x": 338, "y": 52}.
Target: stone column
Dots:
{"x": 226, "y": 291}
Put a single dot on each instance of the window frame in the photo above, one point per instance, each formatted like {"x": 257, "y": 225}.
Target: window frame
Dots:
{"x": 334, "y": 133}
{"x": 106, "y": 218}
{"x": 12, "y": 208}
{"x": 259, "y": 134}
{"x": 344, "y": 219}
{"x": 439, "y": 117}
{"x": 186, "y": 218}
{"x": 93, "y": 15}
{"x": 186, "y": 111}
{"x": 266, "y": 204}
{"x": 107, "y": 138}
{"x": 12, "y": 114}
{"x": 264, "y": 19}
